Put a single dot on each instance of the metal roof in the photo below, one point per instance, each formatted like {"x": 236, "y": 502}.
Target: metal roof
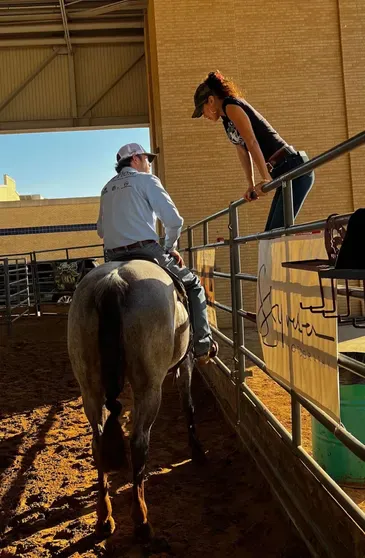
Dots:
{"x": 69, "y": 22}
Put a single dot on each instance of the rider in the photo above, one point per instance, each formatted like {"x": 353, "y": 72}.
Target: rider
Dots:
{"x": 130, "y": 203}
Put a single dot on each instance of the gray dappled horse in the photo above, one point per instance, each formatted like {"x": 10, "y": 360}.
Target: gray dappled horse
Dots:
{"x": 126, "y": 321}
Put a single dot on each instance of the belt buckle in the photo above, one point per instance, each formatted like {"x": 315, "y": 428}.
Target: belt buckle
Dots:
{"x": 270, "y": 166}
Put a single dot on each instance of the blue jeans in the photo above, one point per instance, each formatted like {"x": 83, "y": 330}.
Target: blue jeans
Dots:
{"x": 196, "y": 295}
{"x": 301, "y": 188}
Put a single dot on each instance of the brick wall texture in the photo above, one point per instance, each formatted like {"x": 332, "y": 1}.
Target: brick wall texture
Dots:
{"x": 301, "y": 64}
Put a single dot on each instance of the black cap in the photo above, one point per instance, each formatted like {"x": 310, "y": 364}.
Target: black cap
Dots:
{"x": 200, "y": 98}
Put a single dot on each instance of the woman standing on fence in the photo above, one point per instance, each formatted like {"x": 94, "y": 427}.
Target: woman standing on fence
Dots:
{"x": 255, "y": 140}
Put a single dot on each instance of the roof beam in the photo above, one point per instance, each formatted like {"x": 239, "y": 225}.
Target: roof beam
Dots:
{"x": 65, "y": 26}
{"x": 79, "y": 26}
{"x": 107, "y": 8}
{"x": 117, "y": 39}
{"x": 28, "y": 79}
{"x": 110, "y": 86}
{"x": 70, "y": 123}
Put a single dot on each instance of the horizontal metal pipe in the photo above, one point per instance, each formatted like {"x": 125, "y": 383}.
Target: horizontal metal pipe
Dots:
{"x": 351, "y": 364}
{"x": 212, "y": 245}
{"x": 17, "y": 270}
{"x": 221, "y": 336}
{"x": 221, "y": 275}
{"x": 268, "y": 414}
{"x": 49, "y": 41}
{"x": 326, "y": 157}
{"x": 23, "y": 280}
{"x": 276, "y": 233}
{"x": 246, "y": 277}
{"x": 19, "y": 293}
{"x": 68, "y": 248}
{"x": 20, "y": 315}
{"x": 251, "y": 316}
{"x": 223, "y": 367}
{"x": 260, "y": 363}
{"x": 355, "y": 292}
{"x": 221, "y": 306}
{"x": 347, "y": 503}
{"x": 210, "y": 218}
{"x": 79, "y": 26}
{"x": 339, "y": 495}
{"x": 22, "y": 303}
{"x": 354, "y": 445}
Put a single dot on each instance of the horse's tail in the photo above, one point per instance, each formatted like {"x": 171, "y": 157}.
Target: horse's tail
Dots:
{"x": 110, "y": 296}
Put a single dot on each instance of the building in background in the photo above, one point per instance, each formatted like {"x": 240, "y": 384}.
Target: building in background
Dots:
{"x": 8, "y": 192}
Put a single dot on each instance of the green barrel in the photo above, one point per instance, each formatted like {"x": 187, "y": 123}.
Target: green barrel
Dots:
{"x": 339, "y": 462}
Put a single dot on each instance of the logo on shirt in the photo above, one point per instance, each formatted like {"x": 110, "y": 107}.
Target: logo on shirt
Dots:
{"x": 104, "y": 191}
{"x": 233, "y": 134}
{"x": 127, "y": 173}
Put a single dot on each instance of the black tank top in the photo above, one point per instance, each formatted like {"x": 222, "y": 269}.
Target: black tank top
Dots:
{"x": 267, "y": 138}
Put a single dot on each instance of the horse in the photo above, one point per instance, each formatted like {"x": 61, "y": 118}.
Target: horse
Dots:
{"x": 126, "y": 321}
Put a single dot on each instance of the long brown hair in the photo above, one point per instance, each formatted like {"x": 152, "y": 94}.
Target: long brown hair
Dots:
{"x": 222, "y": 87}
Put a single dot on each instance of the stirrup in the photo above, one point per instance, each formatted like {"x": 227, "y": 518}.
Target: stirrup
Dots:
{"x": 213, "y": 351}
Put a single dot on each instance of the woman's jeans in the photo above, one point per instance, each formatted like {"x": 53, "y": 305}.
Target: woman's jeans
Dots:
{"x": 301, "y": 188}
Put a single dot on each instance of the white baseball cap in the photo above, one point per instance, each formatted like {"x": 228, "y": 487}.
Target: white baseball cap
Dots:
{"x": 133, "y": 149}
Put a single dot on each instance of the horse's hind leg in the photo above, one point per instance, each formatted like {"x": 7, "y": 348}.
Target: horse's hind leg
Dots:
{"x": 146, "y": 405}
{"x": 183, "y": 379}
{"x": 96, "y": 415}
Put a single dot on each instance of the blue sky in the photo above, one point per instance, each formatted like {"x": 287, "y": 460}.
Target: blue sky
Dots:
{"x": 64, "y": 164}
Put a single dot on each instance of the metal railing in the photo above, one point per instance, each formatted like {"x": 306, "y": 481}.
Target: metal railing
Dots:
{"x": 28, "y": 282}
{"x": 15, "y": 289}
{"x": 239, "y": 314}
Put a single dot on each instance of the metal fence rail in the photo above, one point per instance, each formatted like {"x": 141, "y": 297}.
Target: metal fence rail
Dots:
{"x": 239, "y": 314}
{"x": 16, "y": 296}
{"x": 27, "y": 280}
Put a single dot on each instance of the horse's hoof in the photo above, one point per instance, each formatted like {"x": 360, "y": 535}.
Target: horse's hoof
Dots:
{"x": 143, "y": 533}
{"x": 104, "y": 530}
{"x": 198, "y": 456}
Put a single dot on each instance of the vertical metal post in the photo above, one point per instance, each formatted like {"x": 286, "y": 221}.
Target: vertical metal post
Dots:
{"x": 34, "y": 287}
{"x": 27, "y": 283}
{"x": 37, "y": 292}
{"x": 18, "y": 287}
{"x": 7, "y": 294}
{"x": 288, "y": 203}
{"x": 206, "y": 233}
{"x": 237, "y": 320}
{"x": 296, "y": 415}
{"x": 190, "y": 244}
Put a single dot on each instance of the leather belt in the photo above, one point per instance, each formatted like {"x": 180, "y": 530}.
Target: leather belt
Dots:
{"x": 138, "y": 244}
{"x": 280, "y": 155}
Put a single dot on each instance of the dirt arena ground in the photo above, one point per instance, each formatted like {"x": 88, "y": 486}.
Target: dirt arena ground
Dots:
{"x": 48, "y": 482}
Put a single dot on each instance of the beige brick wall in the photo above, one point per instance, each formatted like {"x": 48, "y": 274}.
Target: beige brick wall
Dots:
{"x": 292, "y": 62}
{"x": 48, "y": 212}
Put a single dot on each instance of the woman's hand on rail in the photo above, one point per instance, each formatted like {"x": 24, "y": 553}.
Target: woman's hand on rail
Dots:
{"x": 259, "y": 186}
{"x": 248, "y": 195}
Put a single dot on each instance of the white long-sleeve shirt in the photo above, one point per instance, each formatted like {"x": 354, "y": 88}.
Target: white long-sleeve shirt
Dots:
{"x": 130, "y": 204}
